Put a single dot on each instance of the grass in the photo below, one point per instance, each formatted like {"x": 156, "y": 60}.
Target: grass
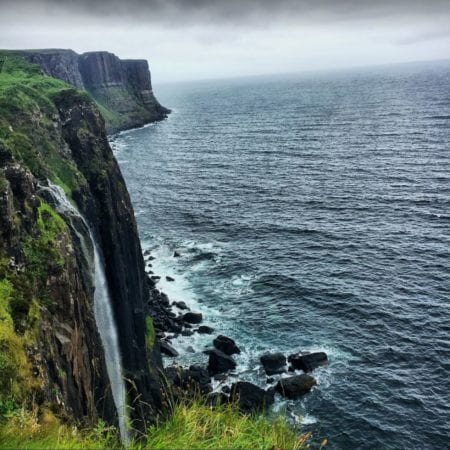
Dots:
{"x": 27, "y": 121}
{"x": 192, "y": 426}
{"x": 149, "y": 333}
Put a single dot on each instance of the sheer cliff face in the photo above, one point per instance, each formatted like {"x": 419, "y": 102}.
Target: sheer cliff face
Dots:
{"x": 50, "y": 349}
{"x": 122, "y": 87}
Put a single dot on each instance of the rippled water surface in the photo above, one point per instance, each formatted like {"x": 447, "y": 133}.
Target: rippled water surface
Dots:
{"x": 313, "y": 212}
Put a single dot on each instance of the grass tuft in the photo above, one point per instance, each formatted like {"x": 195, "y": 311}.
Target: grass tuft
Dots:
{"x": 192, "y": 426}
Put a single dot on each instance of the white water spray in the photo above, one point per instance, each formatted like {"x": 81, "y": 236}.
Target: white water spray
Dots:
{"x": 102, "y": 307}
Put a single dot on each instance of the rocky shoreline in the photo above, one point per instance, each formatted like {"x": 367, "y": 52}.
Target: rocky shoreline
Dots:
{"x": 290, "y": 377}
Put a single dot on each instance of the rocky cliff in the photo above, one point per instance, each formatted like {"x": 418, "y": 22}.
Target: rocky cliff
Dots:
{"x": 122, "y": 88}
{"x": 51, "y": 355}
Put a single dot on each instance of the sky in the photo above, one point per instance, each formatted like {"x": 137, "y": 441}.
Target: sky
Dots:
{"x": 201, "y": 39}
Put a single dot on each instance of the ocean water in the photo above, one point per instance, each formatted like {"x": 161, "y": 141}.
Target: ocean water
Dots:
{"x": 312, "y": 212}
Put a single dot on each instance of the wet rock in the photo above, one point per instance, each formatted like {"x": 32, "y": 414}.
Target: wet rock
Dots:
{"x": 187, "y": 333}
{"x": 226, "y": 345}
{"x": 155, "y": 277}
{"x": 270, "y": 380}
{"x": 221, "y": 377}
{"x": 176, "y": 254}
{"x": 226, "y": 390}
{"x": 167, "y": 349}
{"x": 181, "y": 305}
{"x": 219, "y": 362}
{"x": 168, "y": 278}
{"x": 296, "y": 386}
{"x": 273, "y": 363}
{"x": 250, "y": 397}
{"x": 308, "y": 362}
{"x": 204, "y": 329}
{"x": 193, "y": 317}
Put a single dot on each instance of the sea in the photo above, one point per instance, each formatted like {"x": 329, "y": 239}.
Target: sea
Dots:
{"x": 311, "y": 212}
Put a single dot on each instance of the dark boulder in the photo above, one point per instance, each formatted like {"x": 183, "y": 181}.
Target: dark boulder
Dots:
{"x": 176, "y": 254}
{"x": 296, "y": 386}
{"x": 200, "y": 376}
{"x": 308, "y": 362}
{"x": 250, "y": 397}
{"x": 181, "y": 305}
{"x": 219, "y": 362}
{"x": 226, "y": 345}
{"x": 204, "y": 329}
{"x": 195, "y": 379}
{"x": 169, "y": 278}
{"x": 167, "y": 349}
{"x": 187, "y": 333}
{"x": 192, "y": 317}
{"x": 273, "y": 363}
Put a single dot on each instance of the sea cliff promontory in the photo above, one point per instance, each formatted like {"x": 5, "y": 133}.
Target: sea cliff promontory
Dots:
{"x": 121, "y": 87}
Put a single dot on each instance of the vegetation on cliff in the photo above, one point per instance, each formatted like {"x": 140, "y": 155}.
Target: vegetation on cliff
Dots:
{"x": 191, "y": 426}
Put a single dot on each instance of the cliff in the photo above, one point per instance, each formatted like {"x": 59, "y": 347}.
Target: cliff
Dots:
{"x": 121, "y": 88}
{"x": 51, "y": 354}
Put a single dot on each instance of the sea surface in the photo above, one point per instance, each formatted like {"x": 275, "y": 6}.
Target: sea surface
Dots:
{"x": 312, "y": 212}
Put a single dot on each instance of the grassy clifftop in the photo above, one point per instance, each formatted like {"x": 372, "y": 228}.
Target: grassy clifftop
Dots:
{"x": 26, "y": 129}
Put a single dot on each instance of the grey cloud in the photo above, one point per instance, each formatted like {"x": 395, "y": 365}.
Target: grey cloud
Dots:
{"x": 239, "y": 11}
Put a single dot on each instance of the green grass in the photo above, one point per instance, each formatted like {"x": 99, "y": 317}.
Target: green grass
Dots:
{"x": 193, "y": 426}
{"x": 149, "y": 333}
{"x": 28, "y": 120}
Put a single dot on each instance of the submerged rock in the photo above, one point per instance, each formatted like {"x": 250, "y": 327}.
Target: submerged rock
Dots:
{"x": 308, "y": 362}
{"x": 176, "y": 254}
{"x": 168, "y": 278}
{"x": 250, "y": 397}
{"x": 273, "y": 363}
{"x": 204, "y": 329}
{"x": 226, "y": 345}
{"x": 219, "y": 362}
{"x": 193, "y": 317}
{"x": 296, "y": 386}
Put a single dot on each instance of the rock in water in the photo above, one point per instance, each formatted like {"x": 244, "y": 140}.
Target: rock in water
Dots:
{"x": 250, "y": 397}
{"x": 181, "y": 305}
{"x": 226, "y": 345}
{"x": 168, "y": 278}
{"x": 192, "y": 317}
{"x": 273, "y": 363}
{"x": 308, "y": 362}
{"x": 167, "y": 349}
{"x": 294, "y": 387}
{"x": 219, "y": 362}
{"x": 204, "y": 329}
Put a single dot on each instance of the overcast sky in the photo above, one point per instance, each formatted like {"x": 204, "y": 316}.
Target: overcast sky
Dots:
{"x": 195, "y": 39}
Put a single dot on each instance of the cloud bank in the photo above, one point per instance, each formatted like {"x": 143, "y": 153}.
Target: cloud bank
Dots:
{"x": 188, "y": 39}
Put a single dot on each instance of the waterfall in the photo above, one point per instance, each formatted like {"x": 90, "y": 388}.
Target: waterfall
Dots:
{"x": 104, "y": 317}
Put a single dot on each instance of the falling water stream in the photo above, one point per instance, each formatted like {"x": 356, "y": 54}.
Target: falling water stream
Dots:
{"x": 102, "y": 304}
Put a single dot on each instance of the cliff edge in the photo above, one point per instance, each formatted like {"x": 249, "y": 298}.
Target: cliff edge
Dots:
{"x": 121, "y": 88}
{"x": 51, "y": 354}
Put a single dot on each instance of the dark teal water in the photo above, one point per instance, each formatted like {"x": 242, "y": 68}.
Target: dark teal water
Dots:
{"x": 313, "y": 212}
